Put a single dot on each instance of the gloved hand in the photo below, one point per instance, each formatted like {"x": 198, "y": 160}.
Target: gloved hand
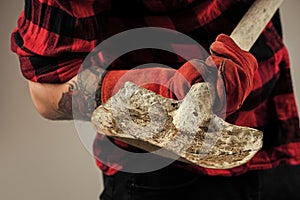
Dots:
{"x": 167, "y": 82}
{"x": 236, "y": 72}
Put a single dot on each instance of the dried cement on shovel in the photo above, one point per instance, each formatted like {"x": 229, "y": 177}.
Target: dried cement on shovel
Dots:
{"x": 187, "y": 128}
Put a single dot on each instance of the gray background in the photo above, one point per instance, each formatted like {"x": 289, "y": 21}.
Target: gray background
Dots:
{"x": 41, "y": 159}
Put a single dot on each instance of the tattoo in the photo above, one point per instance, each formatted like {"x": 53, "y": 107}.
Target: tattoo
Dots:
{"x": 65, "y": 103}
{"x": 82, "y": 96}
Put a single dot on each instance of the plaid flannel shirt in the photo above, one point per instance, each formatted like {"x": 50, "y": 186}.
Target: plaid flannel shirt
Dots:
{"x": 53, "y": 37}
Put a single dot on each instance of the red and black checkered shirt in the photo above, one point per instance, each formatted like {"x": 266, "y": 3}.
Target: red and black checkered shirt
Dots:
{"x": 53, "y": 37}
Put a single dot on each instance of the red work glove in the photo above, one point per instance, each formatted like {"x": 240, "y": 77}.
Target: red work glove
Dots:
{"x": 167, "y": 82}
{"x": 236, "y": 69}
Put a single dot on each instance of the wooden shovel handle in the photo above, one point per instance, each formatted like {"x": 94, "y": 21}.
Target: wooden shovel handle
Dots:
{"x": 254, "y": 21}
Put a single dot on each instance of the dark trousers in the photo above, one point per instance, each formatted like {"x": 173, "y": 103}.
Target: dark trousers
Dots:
{"x": 281, "y": 183}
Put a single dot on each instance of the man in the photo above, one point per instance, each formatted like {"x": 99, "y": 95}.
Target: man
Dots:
{"x": 54, "y": 37}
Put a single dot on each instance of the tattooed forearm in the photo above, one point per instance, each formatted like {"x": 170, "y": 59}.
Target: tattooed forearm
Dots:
{"x": 82, "y": 96}
{"x": 75, "y": 104}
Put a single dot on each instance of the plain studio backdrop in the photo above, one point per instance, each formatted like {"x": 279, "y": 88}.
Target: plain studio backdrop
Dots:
{"x": 42, "y": 159}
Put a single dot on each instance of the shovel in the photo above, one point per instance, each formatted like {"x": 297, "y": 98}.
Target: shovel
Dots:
{"x": 149, "y": 121}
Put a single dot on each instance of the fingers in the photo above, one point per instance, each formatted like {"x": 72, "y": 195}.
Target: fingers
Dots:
{"x": 225, "y": 47}
{"x": 227, "y": 40}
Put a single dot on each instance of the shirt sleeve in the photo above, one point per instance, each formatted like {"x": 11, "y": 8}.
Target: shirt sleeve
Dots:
{"x": 53, "y": 37}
